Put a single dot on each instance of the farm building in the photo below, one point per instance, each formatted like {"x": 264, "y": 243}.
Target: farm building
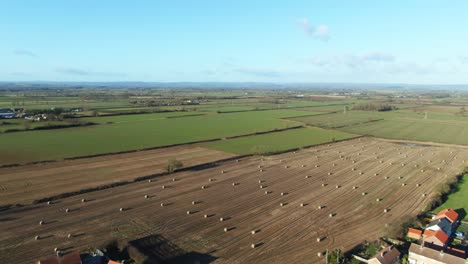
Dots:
{"x": 419, "y": 254}
{"x": 414, "y": 233}
{"x": 388, "y": 255}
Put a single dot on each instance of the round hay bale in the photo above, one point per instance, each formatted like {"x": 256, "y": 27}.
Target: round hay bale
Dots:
{"x": 261, "y": 186}
{"x": 253, "y": 232}
{"x": 37, "y": 237}
{"x": 210, "y": 179}
{"x": 403, "y": 184}
{"x": 69, "y": 235}
{"x": 417, "y": 185}
{"x": 261, "y": 170}
{"x": 282, "y": 204}
{"x": 49, "y": 202}
{"x": 41, "y": 222}
{"x": 302, "y": 205}
{"x": 385, "y": 210}
{"x": 337, "y": 186}
{"x": 221, "y": 219}
{"x": 194, "y": 202}
{"x": 205, "y": 216}
{"x": 149, "y": 181}
{"x": 307, "y": 176}
{"x": 121, "y": 209}
{"x": 267, "y": 192}
{"x": 331, "y": 215}
{"x": 319, "y": 254}
{"x": 164, "y": 186}
{"x": 330, "y": 173}
{"x": 354, "y": 187}
{"x": 174, "y": 179}
{"x": 302, "y": 166}
{"x": 323, "y": 185}
{"x": 203, "y": 187}
{"x": 162, "y": 204}
{"x": 364, "y": 193}
{"x": 189, "y": 212}
{"x": 320, "y": 207}
{"x": 253, "y": 245}
{"x": 146, "y": 196}
{"x": 56, "y": 249}
{"x": 423, "y": 195}
{"x": 316, "y": 166}
{"x": 319, "y": 239}
{"x": 83, "y": 200}
{"x": 222, "y": 172}
{"x": 226, "y": 229}
{"x": 67, "y": 210}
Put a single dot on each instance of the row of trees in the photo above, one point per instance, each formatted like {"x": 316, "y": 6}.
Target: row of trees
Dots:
{"x": 374, "y": 107}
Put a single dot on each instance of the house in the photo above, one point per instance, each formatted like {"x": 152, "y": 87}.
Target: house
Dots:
{"x": 388, "y": 255}
{"x": 414, "y": 233}
{"x": 419, "y": 254}
{"x": 448, "y": 214}
{"x": 441, "y": 224}
{"x": 439, "y": 237}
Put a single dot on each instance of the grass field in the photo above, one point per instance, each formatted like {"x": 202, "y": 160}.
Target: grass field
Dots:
{"x": 458, "y": 199}
{"x": 278, "y": 141}
{"x": 339, "y": 119}
{"x": 137, "y": 133}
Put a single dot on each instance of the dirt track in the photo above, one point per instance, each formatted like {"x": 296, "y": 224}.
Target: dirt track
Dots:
{"x": 286, "y": 234}
{"x": 25, "y": 183}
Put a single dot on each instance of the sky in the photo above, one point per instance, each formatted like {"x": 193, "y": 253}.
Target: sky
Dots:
{"x": 398, "y": 41}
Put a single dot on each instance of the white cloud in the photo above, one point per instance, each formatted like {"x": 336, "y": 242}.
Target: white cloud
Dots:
{"x": 321, "y": 32}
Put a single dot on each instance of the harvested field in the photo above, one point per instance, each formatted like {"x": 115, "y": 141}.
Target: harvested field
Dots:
{"x": 26, "y": 183}
{"x": 286, "y": 226}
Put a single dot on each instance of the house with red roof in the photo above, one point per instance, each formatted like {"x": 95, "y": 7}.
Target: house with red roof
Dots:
{"x": 439, "y": 237}
{"x": 414, "y": 233}
{"x": 448, "y": 214}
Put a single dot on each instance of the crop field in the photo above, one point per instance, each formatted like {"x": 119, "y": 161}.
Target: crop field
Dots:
{"x": 278, "y": 141}
{"x": 457, "y": 199}
{"x": 363, "y": 187}
{"x": 26, "y": 183}
{"x": 442, "y": 131}
{"x": 137, "y": 133}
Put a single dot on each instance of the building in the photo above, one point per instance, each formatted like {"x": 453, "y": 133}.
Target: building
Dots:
{"x": 448, "y": 214}
{"x": 414, "y": 233}
{"x": 439, "y": 237}
{"x": 419, "y": 254}
{"x": 441, "y": 224}
{"x": 388, "y": 255}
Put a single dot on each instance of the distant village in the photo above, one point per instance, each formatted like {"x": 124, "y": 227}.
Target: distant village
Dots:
{"x": 36, "y": 116}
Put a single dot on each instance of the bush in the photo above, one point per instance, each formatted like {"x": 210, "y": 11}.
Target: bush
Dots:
{"x": 173, "y": 165}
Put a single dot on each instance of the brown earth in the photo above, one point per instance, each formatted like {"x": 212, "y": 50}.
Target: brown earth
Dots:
{"x": 286, "y": 234}
{"x": 24, "y": 184}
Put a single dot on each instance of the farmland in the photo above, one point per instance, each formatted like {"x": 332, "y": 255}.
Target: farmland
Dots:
{"x": 137, "y": 132}
{"x": 438, "y": 127}
{"x": 279, "y": 141}
{"x": 22, "y": 185}
{"x": 283, "y": 233}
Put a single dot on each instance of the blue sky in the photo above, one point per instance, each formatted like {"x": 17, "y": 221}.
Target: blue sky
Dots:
{"x": 263, "y": 41}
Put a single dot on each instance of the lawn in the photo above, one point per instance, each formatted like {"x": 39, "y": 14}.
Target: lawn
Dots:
{"x": 136, "y": 133}
{"x": 278, "y": 141}
{"x": 458, "y": 199}
{"x": 335, "y": 120}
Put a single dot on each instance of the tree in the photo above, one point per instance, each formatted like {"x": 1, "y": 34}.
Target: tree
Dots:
{"x": 173, "y": 165}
